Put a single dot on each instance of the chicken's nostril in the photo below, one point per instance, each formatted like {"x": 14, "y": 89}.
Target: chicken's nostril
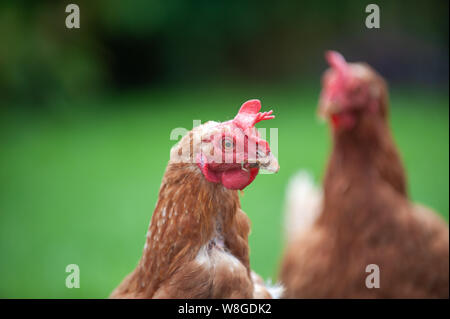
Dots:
{"x": 260, "y": 154}
{"x": 253, "y": 165}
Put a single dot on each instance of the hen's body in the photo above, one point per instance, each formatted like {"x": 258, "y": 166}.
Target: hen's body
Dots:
{"x": 196, "y": 245}
{"x": 366, "y": 218}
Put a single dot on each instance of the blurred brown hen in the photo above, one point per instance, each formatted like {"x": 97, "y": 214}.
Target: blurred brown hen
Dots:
{"x": 364, "y": 215}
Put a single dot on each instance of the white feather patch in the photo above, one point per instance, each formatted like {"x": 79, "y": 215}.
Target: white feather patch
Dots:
{"x": 275, "y": 290}
{"x": 303, "y": 204}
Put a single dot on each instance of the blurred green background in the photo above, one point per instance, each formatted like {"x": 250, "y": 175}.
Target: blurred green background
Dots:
{"x": 85, "y": 117}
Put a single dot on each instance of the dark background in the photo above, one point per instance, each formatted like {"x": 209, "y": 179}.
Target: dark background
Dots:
{"x": 129, "y": 44}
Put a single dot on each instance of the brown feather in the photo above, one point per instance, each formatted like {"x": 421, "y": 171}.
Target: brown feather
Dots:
{"x": 188, "y": 213}
{"x": 367, "y": 218}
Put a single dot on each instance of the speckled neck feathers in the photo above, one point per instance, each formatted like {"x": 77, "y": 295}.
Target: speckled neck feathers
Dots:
{"x": 190, "y": 212}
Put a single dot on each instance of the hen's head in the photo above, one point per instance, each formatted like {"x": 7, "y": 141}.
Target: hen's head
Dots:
{"x": 230, "y": 153}
{"x": 349, "y": 91}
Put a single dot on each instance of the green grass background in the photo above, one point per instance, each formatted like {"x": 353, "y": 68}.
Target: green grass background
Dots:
{"x": 79, "y": 181}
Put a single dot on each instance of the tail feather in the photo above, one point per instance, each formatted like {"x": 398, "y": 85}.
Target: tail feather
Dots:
{"x": 303, "y": 204}
{"x": 276, "y": 290}
{"x": 266, "y": 290}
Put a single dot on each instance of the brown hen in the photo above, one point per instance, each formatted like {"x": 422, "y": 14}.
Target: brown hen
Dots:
{"x": 364, "y": 216}
{"x": 197, "y": 242}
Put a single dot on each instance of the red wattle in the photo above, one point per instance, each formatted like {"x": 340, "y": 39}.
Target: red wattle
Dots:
{"x": 345, "y": 120}
{"x": 235, "y": 178}
{"x": 210, "y": 175}
{"x": 335, "y": 120}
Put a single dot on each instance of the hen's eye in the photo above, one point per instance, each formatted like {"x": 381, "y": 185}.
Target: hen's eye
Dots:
{"x": 227, "y": 143}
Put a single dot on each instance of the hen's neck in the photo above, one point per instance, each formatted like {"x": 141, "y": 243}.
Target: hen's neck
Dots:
{"x": 190, "y": 212}
{"x": 362, "y": 159}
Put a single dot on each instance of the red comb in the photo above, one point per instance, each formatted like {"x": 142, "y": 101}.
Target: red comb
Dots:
{"x": 249, "y": 115}
{"x": 337, "y": 61}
